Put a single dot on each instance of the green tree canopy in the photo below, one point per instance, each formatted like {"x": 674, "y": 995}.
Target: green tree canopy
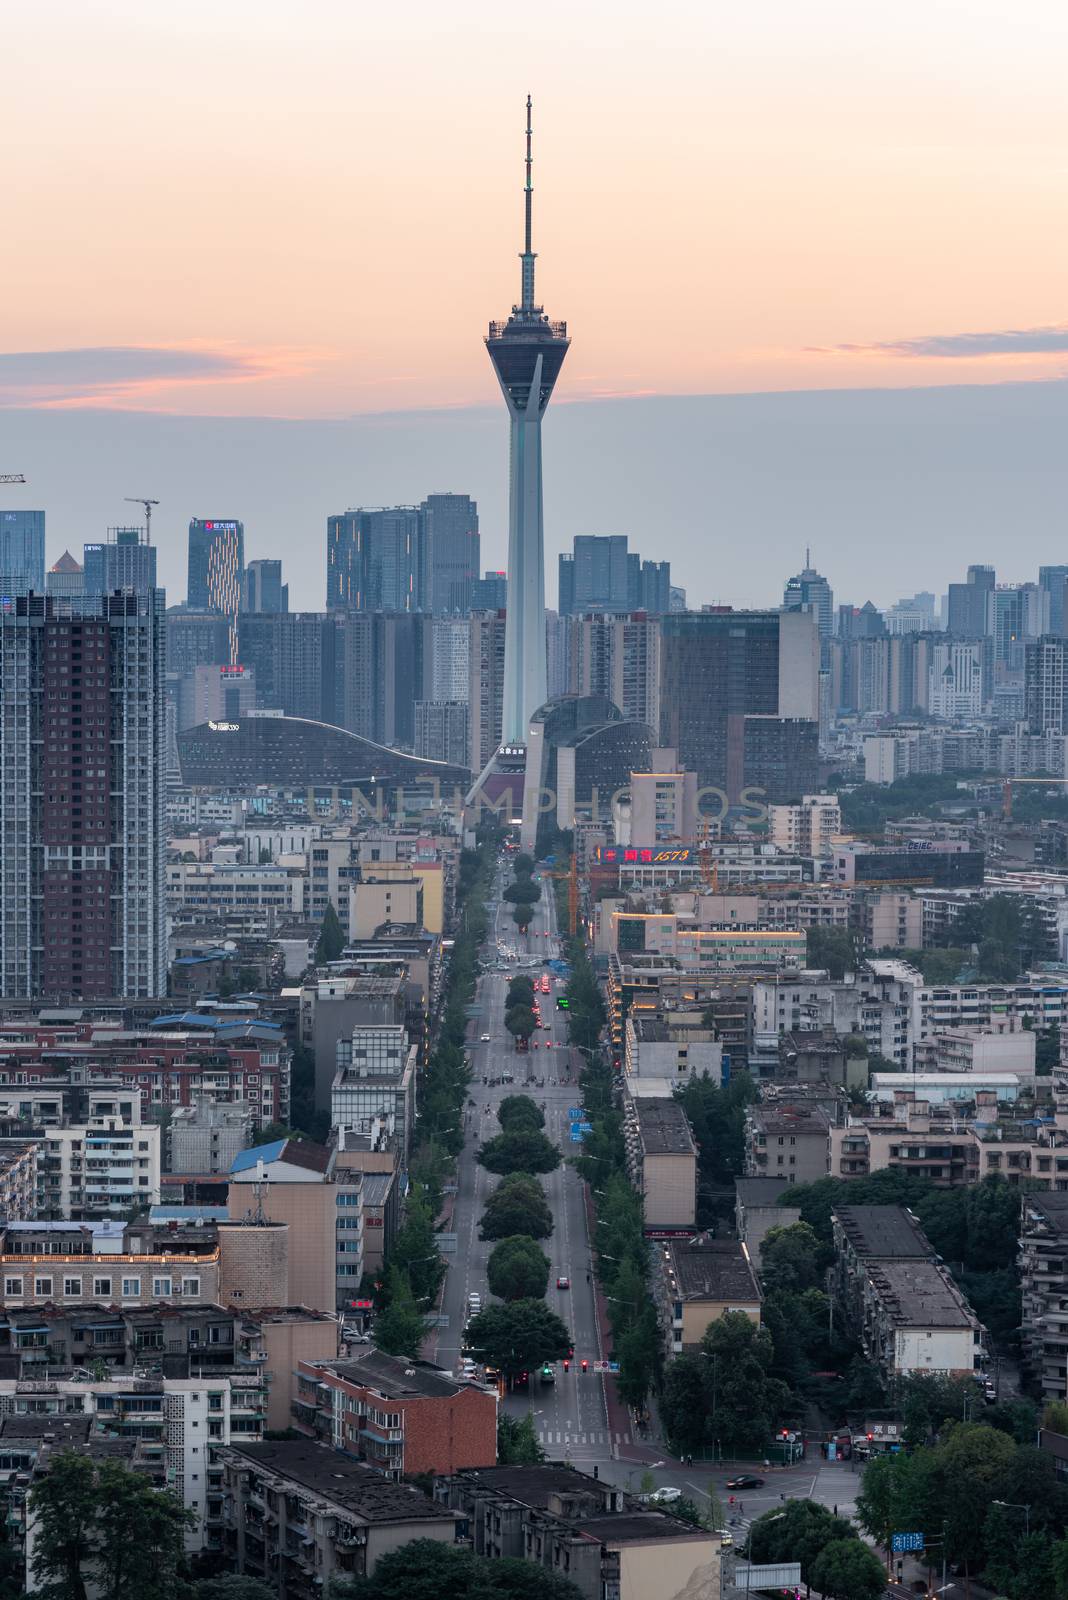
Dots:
{"x": 799, "y": 1531}
{"x": 428, "y": 1569}
{"x": 791, "y": 1260}
{"x": 832, "y": 948}
{"x": 517, "y": 1269}
{"x": 520, "y": 1022}
{"x": 517, "y": 1205}
{"x": 232, "y": 1586}
{"x": 518, "y": 1337}
{"x": 518, "y": 1113}
{"x": 848, "y": 1570}
{"x": 528, "y": 1151}
{"x": 331, "y": 940}
{"x": 401, "y": 1327}
{"x": 517, "y": 1441}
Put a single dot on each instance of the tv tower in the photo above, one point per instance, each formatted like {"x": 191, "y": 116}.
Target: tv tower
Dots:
{"x": 527, "y": 353}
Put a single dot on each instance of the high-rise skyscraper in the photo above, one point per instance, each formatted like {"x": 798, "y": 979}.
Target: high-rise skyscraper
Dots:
{"x": 527, "y": 353}
{"x": 82, "y": 742}
{"x": 1053, "y": 580}
{"x": 969, "y": 613}
{"x": 486, "y": 664}
{"x": 124, "y": 561}
{"x": 490, "y": 592}
{"x": 617, "y": 656}
{"x": 810, "y": 591}
{"x": 22, "y": 552}
{"x": 452, "y": 553}
{"x": 374, "y": 559}
{"x": 601, "y": 574}
{"x": 739, "y": 700}
{"x": 65, "y": 577}
{"x": 217, "y": 570}
{"x": 264, "y": 591}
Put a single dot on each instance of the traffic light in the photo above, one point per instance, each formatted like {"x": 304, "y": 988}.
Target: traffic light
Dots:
{"x": 567, "y": 1365}
{"x": 585, "y": 1365}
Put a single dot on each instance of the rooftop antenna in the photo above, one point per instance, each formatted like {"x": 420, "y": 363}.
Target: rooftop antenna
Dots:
{"x": 140, "y": 500}
{"x": 528, "y": 202}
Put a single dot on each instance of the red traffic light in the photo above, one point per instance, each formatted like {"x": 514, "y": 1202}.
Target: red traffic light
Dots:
{"x": 585, "y": 1365}
{"x": 567, "y": 1366}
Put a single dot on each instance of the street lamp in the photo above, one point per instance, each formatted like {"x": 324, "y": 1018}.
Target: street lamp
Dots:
{"x": 1016, "y": 1505}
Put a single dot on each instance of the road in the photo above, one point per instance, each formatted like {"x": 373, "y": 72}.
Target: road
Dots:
{"x": 570, "y": 1414}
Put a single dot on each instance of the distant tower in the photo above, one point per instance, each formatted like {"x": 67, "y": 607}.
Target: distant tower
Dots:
{"x": 527, "y": 353}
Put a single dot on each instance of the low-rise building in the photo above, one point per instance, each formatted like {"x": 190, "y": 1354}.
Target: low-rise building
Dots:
{"x": 899, "y": 1299}
{"x": 699, "y": 1280}
{"x": 757, "y": 1211}
{"x": 400, "y": 1417}
{"x": 990, "y": 1049}
{"x": 786, "y": 1141}
{"x": 671, "y": 1049}
{"x": 1044, "y": 1291}
{"x": 206, "y": 1137}
{"x": 297, "y": 1514}
{"x": 584, "y": 1529}
{"x": 662, "y": 1163}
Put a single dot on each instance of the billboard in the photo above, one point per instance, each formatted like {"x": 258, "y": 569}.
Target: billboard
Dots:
{"x": 617, "y": 855}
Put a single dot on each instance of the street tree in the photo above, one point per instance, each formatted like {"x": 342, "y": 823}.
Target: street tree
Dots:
{"x": 522, "y": 915}
{"x": 519, "y": 1336}
{"x": 400, "y": 1328}
{"x": 848, "y": 1570}
{"x": 517, "y": 1441}
{"x": 232, "y": 1586}
{"x": 747, "y": 1402}
{"x": 64, "y": 1503}
{"x": 517, "y": 1205}
{"x": 518, "y": 1113}
{"x": 800, "y": 1531}
{"x": 520, "y": 1021}
{"x": 527, "y": 1151}
{"x": 518, "y": 1269}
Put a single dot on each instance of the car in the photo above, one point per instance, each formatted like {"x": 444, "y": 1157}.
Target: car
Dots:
{"x": 483, "y": 1038}
{"x": 548, "y": 1373}
{"x": 563, "y": 1283}
{"x": 746, "y": 1481}
{"x": 665, "y": 1496}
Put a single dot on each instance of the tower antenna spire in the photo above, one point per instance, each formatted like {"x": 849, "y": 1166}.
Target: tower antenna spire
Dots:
{"x": 527, "y": 257}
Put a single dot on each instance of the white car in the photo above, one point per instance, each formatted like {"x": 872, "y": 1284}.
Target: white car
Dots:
{"x": 484, "y": 1038}
{"x": 665, "y": 1496}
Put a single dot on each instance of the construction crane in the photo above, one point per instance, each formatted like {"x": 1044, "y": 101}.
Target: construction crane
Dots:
{"x": 11, "y": 477}
{"x": 1006, "y": 792}
{"x": 141, "y": 500}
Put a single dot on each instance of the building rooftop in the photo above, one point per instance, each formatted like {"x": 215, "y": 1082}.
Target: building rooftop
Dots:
{"x": 711, "y": 1269}
{"x": 760, "y": 1191}
{"x": 1052, "y": 1209}
{"x": 664, "y": 1128}
{"x": 534, "y": 1486}
{"x": 376, "y": 1187}
{"x": 361, "y": 1491}
{"x": 294, "y": 1152}
{"x": 789, "y": 1119}
{"x": 884, "y": 1232}
{"x": 396, "y": 1379}
{"x": 650, "y": 1030}
{"x": 920, "y": 1294}
{"x": 634, "y": 1527}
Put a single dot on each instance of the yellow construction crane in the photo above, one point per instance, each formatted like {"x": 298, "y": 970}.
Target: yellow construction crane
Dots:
{"x": 11, "y": 477}
{"x": 1006, "y": 792}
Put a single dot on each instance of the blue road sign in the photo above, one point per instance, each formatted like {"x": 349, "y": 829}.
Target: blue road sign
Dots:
{"x": 574, "y": 1113}
{"x": 900, "y": 1542}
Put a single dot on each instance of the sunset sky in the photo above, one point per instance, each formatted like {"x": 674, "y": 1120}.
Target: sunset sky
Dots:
{"x": 263, "y": 209}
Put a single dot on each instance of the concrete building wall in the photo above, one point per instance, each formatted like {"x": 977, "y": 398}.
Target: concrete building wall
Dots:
{"x": 309, "y": 1209}
{"x": 670, "y": 1190}
{"x": 254, "y": 1265}
{"x": 949, "y": 1350}
{"x": 688, "y": 1569}
{"x": 288, "y": 1342}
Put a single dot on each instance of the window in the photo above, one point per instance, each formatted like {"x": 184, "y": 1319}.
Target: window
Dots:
{"x": 161, "y": 1288}
{"x": 191, "y": 1286}
{"x": 131, "y": 1288}
{"x": 42, "y": 1287}
{"x": 13, "y": 1288}
{"x": 102, "y": 1288}
{"x": 72, "y": 1288}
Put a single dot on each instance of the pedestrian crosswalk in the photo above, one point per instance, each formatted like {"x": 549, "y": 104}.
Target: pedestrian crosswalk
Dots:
{"x": 602, "y": 1436}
